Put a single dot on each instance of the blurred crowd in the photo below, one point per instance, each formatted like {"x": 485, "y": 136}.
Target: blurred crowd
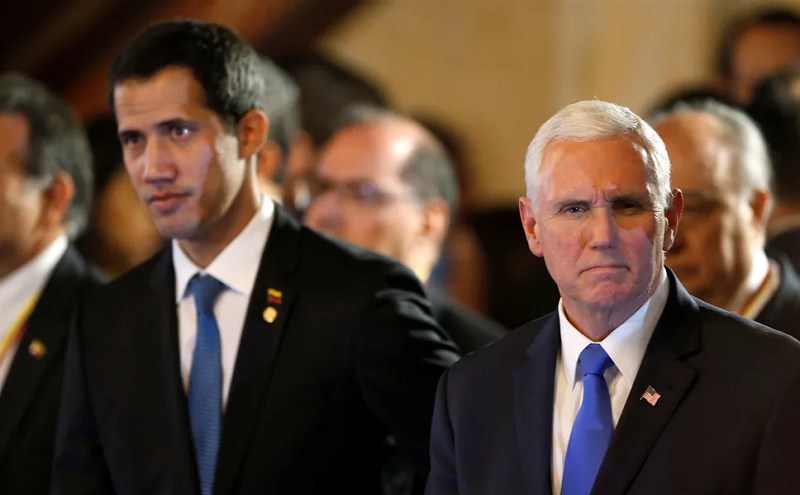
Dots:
{"x": 340, "y": 159}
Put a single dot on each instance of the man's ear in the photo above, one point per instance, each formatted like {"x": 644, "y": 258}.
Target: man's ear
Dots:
{"x": 530, "y": 226}
{"x": 251, "y": 131}
{"x": 761, "y": 204}
{"x": 58, "y": 197}
{"x": 673, "y": 216}
{"x": 436, "y": 221}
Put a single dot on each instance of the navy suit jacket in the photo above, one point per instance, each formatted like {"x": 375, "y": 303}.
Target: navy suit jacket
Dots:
{"x": 727, "y": 422}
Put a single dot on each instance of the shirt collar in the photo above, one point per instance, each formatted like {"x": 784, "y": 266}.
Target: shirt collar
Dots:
{"x": 30, "y": 277}
{"x": 758, "y": 272}
{"x": 237, "y": 265}
{"x": 625, "y": 345}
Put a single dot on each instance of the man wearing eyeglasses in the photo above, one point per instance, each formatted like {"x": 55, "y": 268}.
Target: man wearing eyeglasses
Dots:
{"x": 720, "y": 162}
{"x": 386, "y": 184}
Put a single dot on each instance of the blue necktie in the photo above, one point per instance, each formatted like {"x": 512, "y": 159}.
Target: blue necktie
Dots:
{"x": 205, "y": 381}
{"x": 593, "y": 427}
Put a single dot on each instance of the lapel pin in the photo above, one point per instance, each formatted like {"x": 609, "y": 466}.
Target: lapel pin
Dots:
{"x": 37, "y": 349}
{"x": 651, "y": 396}
{"x": 274, "y": 296}
{"x": 270, "y": 314}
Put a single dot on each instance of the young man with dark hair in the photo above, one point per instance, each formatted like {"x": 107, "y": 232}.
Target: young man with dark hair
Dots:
{"x": 251, "y": 355}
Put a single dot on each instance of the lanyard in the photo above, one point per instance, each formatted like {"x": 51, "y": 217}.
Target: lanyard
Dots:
{"x": 18, "y": 328}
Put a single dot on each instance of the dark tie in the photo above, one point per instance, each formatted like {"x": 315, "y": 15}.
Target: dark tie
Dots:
{"x": 205, "y": 381}
{"x": 593, "y": 426}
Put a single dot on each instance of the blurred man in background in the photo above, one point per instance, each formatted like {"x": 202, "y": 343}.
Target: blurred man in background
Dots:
{"x": 754, "y": 46}
{"x": 285, "y": 142}
{"x": 384, "y": 183}
{"x": 720, "y": 162}
{"x": 45, "y": 194}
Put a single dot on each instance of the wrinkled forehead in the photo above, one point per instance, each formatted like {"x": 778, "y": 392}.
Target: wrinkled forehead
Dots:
{"x": 366, "y": 152}
{"x": 617, "y": 164}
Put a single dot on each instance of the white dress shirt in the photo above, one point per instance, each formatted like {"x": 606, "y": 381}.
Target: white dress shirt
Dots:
{"x": 18, "y": 289}
{"x": 236, "y": 267}
{"x": 625, "y": 346}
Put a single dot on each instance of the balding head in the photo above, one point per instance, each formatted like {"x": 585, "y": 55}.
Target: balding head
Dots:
{"x": 385, "y": 183}
{"x": 720, "y": 163}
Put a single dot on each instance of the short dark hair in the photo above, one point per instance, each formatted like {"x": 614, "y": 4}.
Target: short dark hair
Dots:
{"x": 56, "y": 142}
{"x": 775, "y": 107}
{"x": 771, "y": 16}
{"x": 282, "y": 106}
{"x": 227, "y": 68}
{"x": 429, "y": 170}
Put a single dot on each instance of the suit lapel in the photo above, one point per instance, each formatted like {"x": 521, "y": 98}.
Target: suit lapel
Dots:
{"x": 533, "y": 384}
{"x": 676, "y": 337}
{"x": 267, "y": 314}
{"x": 169, "y": 387}
{"x": 48, "y": 325}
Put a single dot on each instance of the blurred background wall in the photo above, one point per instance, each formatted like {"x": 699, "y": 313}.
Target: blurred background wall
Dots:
{"x": 496, "y": 69}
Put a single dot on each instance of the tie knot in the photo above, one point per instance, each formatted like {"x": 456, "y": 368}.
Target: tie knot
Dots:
{"x": 594, "y": 360}
{"x": 205, "y": 289}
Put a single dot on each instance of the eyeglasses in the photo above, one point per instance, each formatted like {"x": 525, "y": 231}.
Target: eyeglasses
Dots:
{"x": 363, "y": 192}
{"x": 701, "y": 204}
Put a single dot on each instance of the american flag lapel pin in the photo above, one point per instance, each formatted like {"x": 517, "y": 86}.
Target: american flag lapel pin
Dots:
{"x": 651, "y": 396}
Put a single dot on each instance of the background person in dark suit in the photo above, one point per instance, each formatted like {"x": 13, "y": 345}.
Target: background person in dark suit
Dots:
{"x": 632, "y": 386}
{"x": 385, "y": 183}
{"x": 251, "y": 355}
{"x": 720, "y": 162}
{"x": 45, "y": 191}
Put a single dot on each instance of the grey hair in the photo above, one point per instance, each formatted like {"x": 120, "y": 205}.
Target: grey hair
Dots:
{"x": 592, "y": 120}
{"x": 753, "y": 168}
{"x": 56, "y": 143}
{"x": 282, "y": 106}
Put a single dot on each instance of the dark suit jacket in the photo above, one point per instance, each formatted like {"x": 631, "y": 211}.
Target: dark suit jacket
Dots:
{"x": 726, "y": 422}
{"x": 32, "y": 390}
{"x": 782, "y": 311}
{"x": 352, "y": 356}
{"x": 788, "y": 243}
{"x": 469, "y": 330}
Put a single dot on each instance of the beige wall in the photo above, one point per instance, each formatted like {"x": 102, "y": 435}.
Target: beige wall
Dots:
{"x": 496, "y": 69}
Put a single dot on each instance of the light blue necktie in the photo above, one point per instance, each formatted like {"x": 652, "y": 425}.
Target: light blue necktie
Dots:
{"x": 593, "y": 427}
{"x": 205, "y": 381}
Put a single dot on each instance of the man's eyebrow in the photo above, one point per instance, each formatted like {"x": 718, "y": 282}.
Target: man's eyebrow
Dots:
{"x": 128, "y": 132}
{"x": 637, "y": 197}
{"x": 561, "y": 203}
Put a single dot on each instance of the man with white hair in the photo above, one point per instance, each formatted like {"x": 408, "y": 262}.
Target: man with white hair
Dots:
{"x": 632, "y": 385}
{"x": 720, "y": 163}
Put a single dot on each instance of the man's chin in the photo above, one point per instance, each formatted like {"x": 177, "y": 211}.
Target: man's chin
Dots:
{"x": 177, "y": 230}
